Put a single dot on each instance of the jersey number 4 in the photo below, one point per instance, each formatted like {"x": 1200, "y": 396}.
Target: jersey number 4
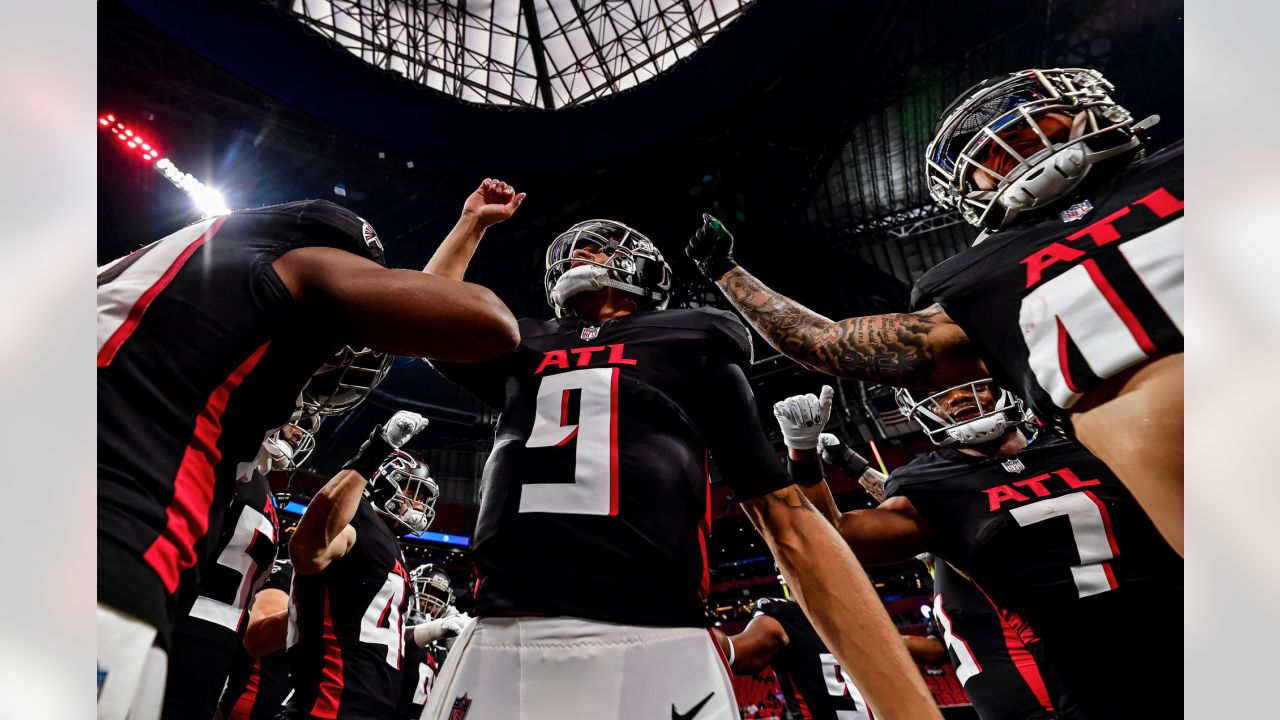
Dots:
{"x": 594, "y": 490}
{"x": 382, "y": 623}
{"x": 1081, "y": 304}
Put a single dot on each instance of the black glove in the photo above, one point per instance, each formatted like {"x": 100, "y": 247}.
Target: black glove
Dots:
{"x": 369, "y": 457}
{"x": 837, "y": 454}
{"x": 711, "y": 248}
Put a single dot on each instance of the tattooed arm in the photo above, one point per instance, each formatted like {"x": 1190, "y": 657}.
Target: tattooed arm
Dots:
{"x": 921, "y": 349}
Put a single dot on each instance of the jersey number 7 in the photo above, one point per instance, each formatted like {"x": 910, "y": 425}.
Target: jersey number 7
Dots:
{"x": 594, "y": 490}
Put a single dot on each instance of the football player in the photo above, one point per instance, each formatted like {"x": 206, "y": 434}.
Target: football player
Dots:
{"x": 205, "y": 338}
{"x": 436, "y": 622}
{"x": 999, "y": 668}
{"x": 779, "y": 635}
{"x": 1072, "y": 295}
{"x": 208, "y": 637}
{"x": 608, "y": 413}
{"x": 1040, "y": 525}
{"x": 350, "y": 587}
{"x": 258, "y": 682}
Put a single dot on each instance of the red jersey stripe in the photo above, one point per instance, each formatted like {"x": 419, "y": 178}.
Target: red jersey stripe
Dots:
{"x": 187, "y": 517}
{"x": 329, "y": 694}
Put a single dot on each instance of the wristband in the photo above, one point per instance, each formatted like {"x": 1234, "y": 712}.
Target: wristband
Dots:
{"x": 804, "y": 472}
{"x": 731, "y": 652}
{"x": 370, "y": 455}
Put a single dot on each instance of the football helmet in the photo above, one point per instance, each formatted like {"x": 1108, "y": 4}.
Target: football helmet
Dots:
{"x": 402, "y": 489}
{"x": 286, "y": 454}
{"x": 432, "y": 588}
{"x": 1069, "y": 123}
{"x": 968, "y": 424}
{"x": 634, "y": 264}
{"x": 344, "y": 381}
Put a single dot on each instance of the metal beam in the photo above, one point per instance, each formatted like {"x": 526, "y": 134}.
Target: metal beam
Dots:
{"x": 530, "y": 13}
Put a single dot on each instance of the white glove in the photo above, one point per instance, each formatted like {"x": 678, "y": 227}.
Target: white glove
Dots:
{"x": 802, "y": 418}
{"x": 439, "y": 629}
{"x": 402, "y": 427}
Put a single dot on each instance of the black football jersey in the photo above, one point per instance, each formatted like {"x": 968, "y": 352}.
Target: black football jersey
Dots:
{"x": 1042, "y": 532}
{"x": 594, "y": 501}
{"x": 420, "y": 669}
{"x": 1055, "y": 306}
{"x": 1000, "y": 672}
{"x": 257, "y": 688}
{"x": 346, "y": 628}
{"x": 201, "y": 351}
{"x": 815, "y": 685}
{"x": 206, "y": 639}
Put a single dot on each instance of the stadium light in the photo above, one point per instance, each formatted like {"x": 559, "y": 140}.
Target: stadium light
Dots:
{"x": 207, "y": 200}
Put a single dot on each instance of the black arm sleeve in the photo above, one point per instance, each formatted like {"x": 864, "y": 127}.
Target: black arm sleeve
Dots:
{"x": 805, "y": 472}
{"x": 734, "y": 434}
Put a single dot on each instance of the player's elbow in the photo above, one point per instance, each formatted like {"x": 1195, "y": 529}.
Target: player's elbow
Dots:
{"x": 492, "y": 330}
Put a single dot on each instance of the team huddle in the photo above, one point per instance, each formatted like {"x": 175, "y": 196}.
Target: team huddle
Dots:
{"x": 1044, "y": 362}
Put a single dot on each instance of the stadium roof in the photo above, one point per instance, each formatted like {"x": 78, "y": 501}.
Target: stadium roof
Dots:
{"x": 547, "y": 54}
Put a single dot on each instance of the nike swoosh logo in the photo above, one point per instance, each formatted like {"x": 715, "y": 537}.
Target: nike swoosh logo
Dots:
{"x": 692, "y": 711}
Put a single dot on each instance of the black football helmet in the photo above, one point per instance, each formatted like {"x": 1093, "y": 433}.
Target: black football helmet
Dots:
{"x": 432, "y": 588}
{"x": 344, "y": 381}
{"x": 402, "y": 489}
{"x": 634, "y": 264}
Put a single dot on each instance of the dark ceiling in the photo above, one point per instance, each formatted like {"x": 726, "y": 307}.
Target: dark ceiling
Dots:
{"x": 801, "y": 123}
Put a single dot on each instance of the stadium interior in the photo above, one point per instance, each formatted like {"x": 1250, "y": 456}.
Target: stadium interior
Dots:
{"x": 802, "y": 124}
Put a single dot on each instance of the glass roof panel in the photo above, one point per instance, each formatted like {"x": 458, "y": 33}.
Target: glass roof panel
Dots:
{"x": 491, "y": 51}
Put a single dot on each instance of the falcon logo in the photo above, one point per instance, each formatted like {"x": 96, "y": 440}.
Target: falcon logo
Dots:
{"x": 692, "y": 711}
{"x": 370, "y": 237}
{"x": 461, "y": 706}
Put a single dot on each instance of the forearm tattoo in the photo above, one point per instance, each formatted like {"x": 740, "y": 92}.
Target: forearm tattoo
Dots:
{"x": 892, "y": 349}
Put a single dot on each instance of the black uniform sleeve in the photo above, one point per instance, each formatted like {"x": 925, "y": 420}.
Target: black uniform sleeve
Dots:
{"x": 486, "y": 380}
{"x": 732, "y": 428}
{"x": 280, "y": 577}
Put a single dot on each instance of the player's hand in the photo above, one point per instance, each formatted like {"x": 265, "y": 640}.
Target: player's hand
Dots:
{"x": 402, "y": 427}
{"x": 711, "y": 248}
{"x": 492, "y": 202}
{"x": 834, "y": 452}
{"x": 802, "y": 417}
{"x": 439, "y": 629}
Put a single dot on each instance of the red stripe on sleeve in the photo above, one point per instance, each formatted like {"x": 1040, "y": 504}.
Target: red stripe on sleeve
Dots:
{"x": 122, "y": 333}
{"x": 187, "y": 517}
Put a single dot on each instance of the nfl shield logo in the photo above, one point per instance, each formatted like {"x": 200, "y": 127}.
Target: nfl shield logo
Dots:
{"x": 590, "y": 332}
{"x": 1014, "y": 465}
{"x": 1077, "y": 211}
{"x": 461, "y": 705}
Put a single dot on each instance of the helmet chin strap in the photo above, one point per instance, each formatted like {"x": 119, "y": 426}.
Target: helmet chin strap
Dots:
{"x": 983, "y": 429}
{"x": 279, "y": 452}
